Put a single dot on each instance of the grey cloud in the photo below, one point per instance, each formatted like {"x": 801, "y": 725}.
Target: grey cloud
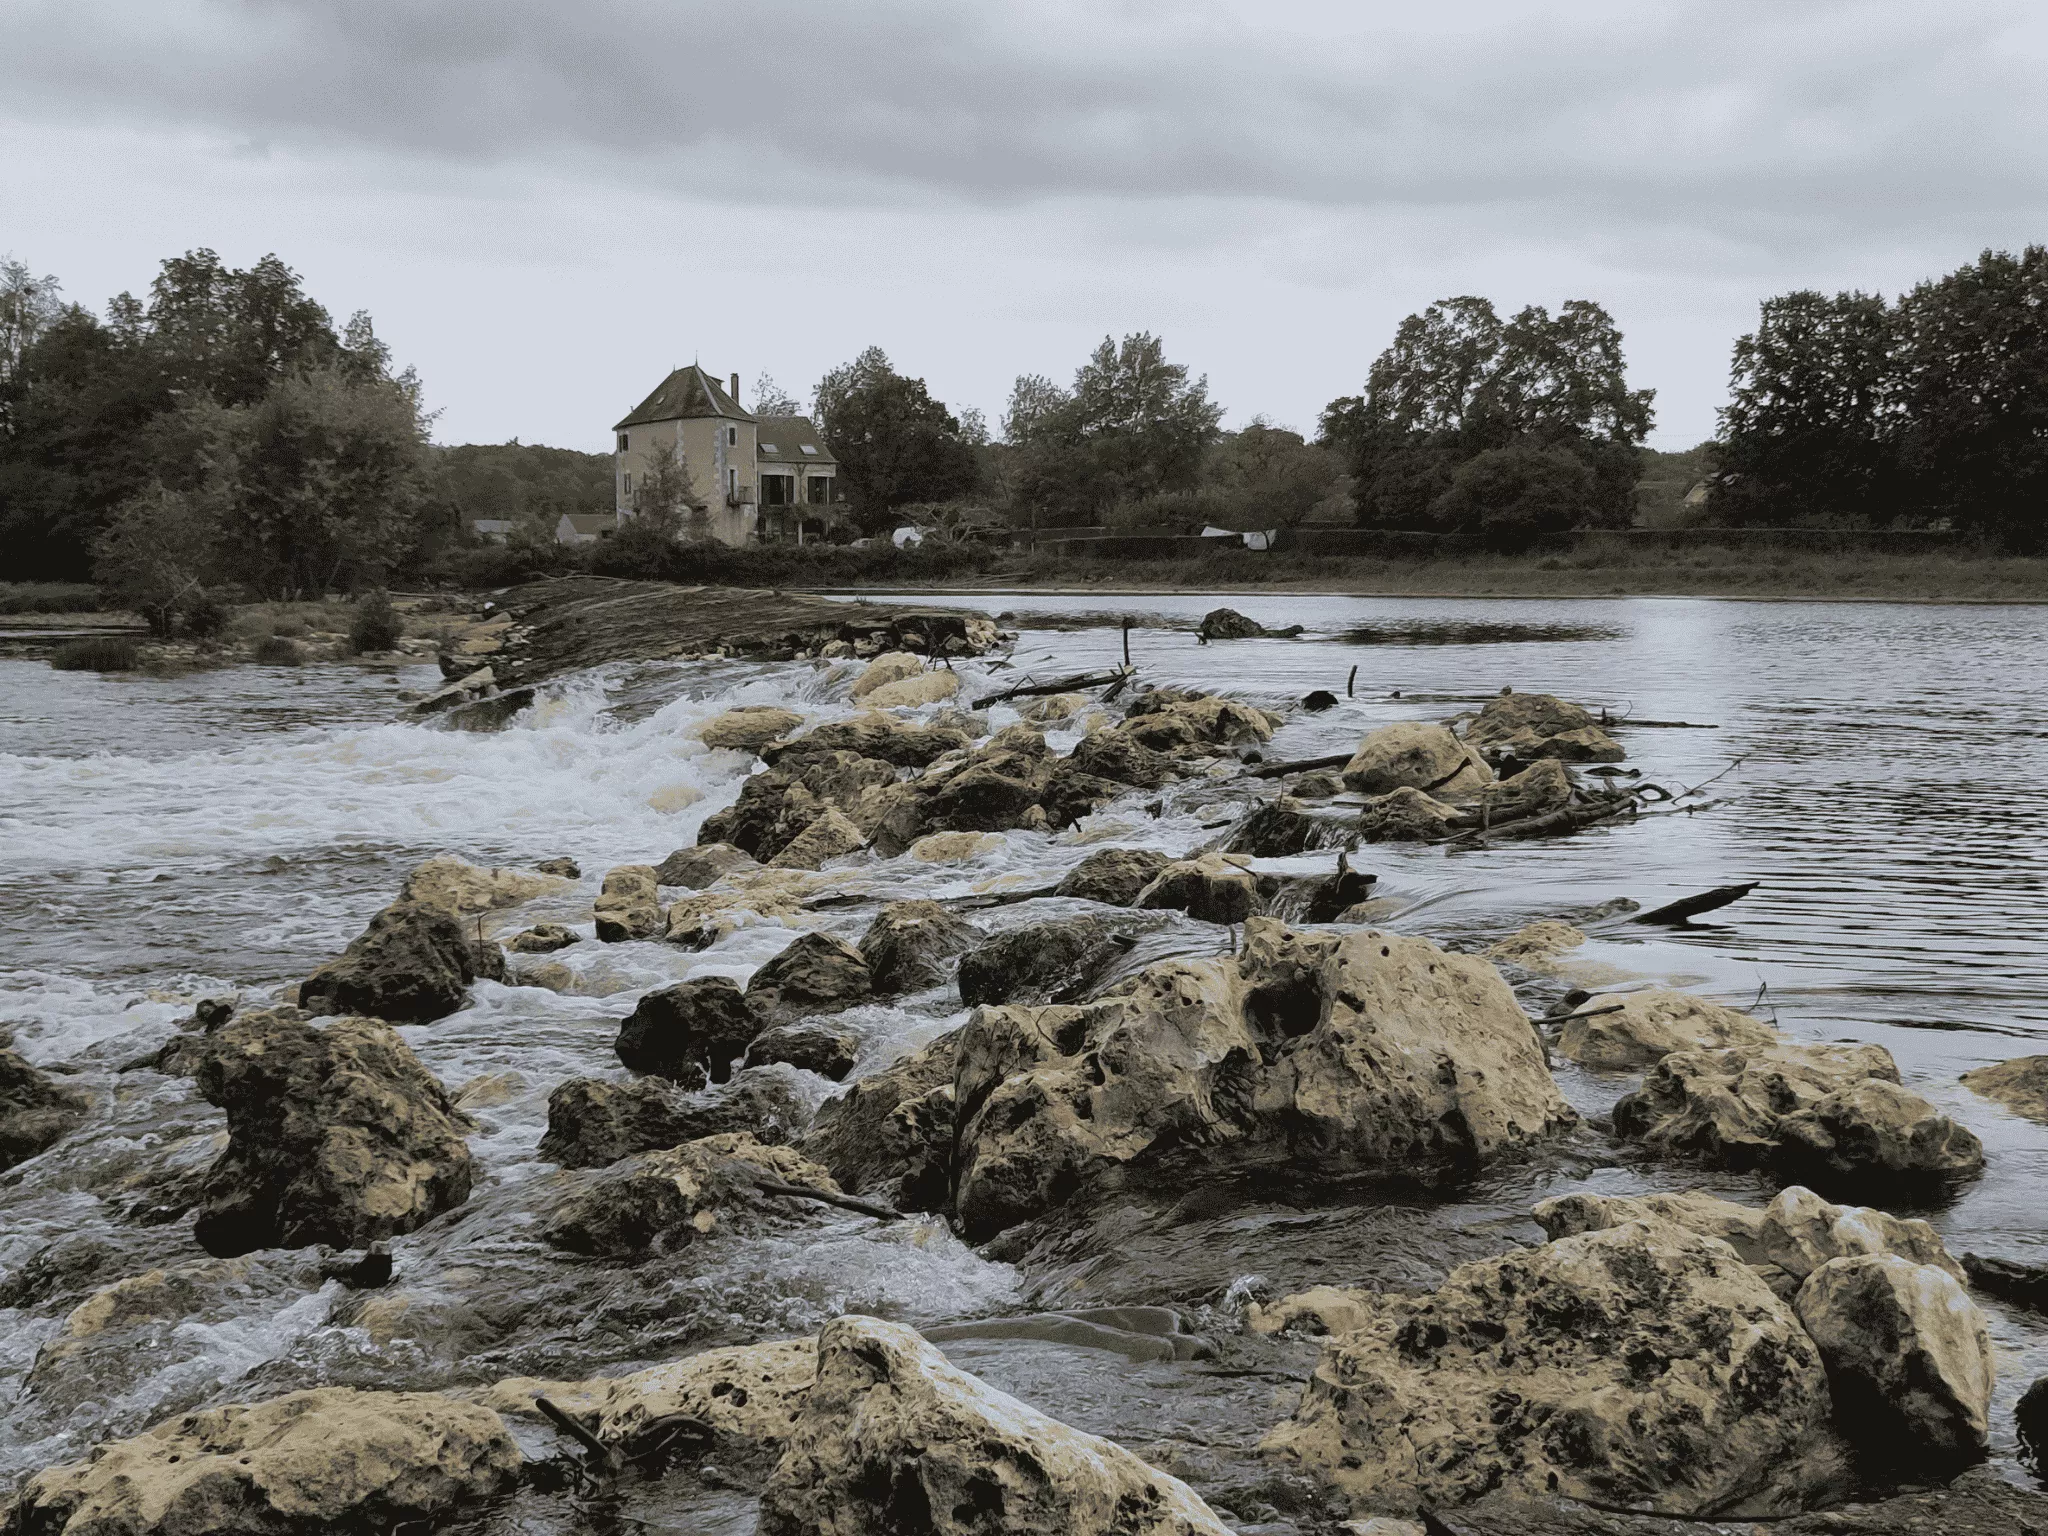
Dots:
{"x": 1782, "y": 127}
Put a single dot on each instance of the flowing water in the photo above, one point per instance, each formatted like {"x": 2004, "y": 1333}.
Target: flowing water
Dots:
{"x": 167, "y": 839}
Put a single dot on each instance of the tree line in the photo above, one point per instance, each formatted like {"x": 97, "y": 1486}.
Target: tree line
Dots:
{"x": 224, "y": 432}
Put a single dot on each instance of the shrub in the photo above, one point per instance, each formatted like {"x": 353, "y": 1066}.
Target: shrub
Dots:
{"x": 205, "y": 616}
{"x": 276, "y": 651}
{"x": 376, "y": 627}
{"x": 49, "y": 597}
{"x": 101, "y": 653}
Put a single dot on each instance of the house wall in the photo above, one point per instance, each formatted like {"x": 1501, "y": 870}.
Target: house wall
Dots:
{"x": 709, "y": 454}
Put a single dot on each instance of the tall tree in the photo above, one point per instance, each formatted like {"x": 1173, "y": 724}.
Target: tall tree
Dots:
{"x": 895, "y": 444}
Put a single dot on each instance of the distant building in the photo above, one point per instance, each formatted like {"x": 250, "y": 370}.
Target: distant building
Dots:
{"x": 585, "y": 527}
{"x": 492, "y": 530}
{"x": 751, "y": 477}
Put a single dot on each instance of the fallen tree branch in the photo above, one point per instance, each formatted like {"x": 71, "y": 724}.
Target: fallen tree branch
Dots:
{"x": 1073, "y": 684}
{"x": 773, "y": 1186}
{"x": 1299, "y": 765}
{"x": 1569, "y": 819}
{"x": 1586, "y": 1013}
{"x": 1692, "y": 906}
{"x": 601, "y": 1454}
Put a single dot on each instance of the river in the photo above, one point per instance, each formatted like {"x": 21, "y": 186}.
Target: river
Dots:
{"x": 1878, "y": 772}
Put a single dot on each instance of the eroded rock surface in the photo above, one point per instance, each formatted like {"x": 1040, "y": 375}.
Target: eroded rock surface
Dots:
{"x": 1113, "y": 876}
{"x": 35, "y": 1110}
{"x": 1651, "y": 1025}
{"x": 592, "y": 1121}
{"x": 675, "y": 1196}
{"x": 1419, "y": 756}
{"x": 704, "y": 864}
{"x": 910, "y": 945}
{"x": 891, "y": 1133}
{"x": 2021, "y": 1085}
{"x": 1529, "y": 726}
{"x": 462, "y": 890}
{"x": 816, "y": 974}
{"x": 747, "y": 728}
{"x": 814, "y": 1046}
{"x": 893, "y": 1437}
{"x": 1041, "y": 960}
{"x": 412, "y": 965}
{"x": 336, "y": 1135}
{"x": 689, "y": 1033}
{"x": 629, "y": 905}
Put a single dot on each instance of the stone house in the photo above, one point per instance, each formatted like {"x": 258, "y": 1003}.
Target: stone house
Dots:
{"x": 751, "y": 478}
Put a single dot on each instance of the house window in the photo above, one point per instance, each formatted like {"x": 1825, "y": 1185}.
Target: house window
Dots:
{"x": 821, "y": 490}
{"x": 732, "y": 437}
{"x": 732, "y": 482}
{"x": 778, "y": 490}
{"x": 626, "y": 480}
{"x": 624, "y": 442}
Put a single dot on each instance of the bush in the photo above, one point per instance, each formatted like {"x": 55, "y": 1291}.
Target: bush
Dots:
{"x": 205, "y": 616}
{"x": 276, "y": 651}
{"x": 1510, "y": 497}
{"x": 497, "y": 565}
{"x": 784, "y": 565}
{"x": 49, "y": 597}
{"x": 102, "y": 653}
{"x": 376, "y": 627}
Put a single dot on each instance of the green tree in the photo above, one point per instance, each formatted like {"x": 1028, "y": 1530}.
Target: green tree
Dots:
{"x": 665, "y": 497}
{"x": 1511, "y": 496}
{"x": 29, "y": 306}
{"x": 158, "y": 553}
{"x": 895, "y": 444}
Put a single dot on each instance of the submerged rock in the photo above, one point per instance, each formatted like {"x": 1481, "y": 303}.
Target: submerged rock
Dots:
{"x": 1529, "y": 726}
{"x": 543, "y": 939}
{"x": 35, "y": 1110}
{"x": 816, "y": 974}
{"x": 1641, "y": 1365}
{"x": 328, "y": 1459}
{"x": 1419, "y": 756}
{"x": 690, "y": 1032}
{"x": 1827, "y": 1114}
{"x": 1363, "y": 1053}
{"x": 629, "y": 906}
{"x": 1408, "y": 816}
{"x": 463, "y": 890}
{"x": 696, "y": 867}
{"x": 336, "y": 1135}
{"x": 746, "y": 728}
{"x": 1651, "y": 1025}
{"x": 1284, "y": 827}
{"x": 2021, "y": 1085}
{"x": 894, "y": 1438}
{"x": 1113, "y": 876}
{"x": 593, "y": 1121}
{"x": 1118, "y": 757}
{"x": 1042, "y": 961}
{"x": 1229, "y": 624}
{"x": 412, "y": 965}
{"x": 891, "y": 1133}
{"x": 1908, "y": 1358}
{"x": 878, "y": 736}
{"x": 812, "y": 1046}
{"x": 1211, "y": 888}
{"x": 909, "y": 944}
{"x": 674, "y": 1196}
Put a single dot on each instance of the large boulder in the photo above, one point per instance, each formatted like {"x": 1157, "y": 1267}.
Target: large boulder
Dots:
{"x": 749, "y": 1396}
{"x": 1830, "y": 1115}
{"x": 1120, "y": 758}
{"x": 889, "y": 667}
{"x": 811, "y": 1046}
{"x": 1041, "y": 961}
{"x": 1416, "y": 755}
{"x": 1408, "y": 815}
{"x": 827, "y": 836}
{"x": 2021, "y": 1085}
{"x": 773, "y": 808}
{"x": 1538, "y": 789}
{"x": 816, "y": 974}
{"x": 675, "y": 1196}
{"x": 629, "y": 906}
{"x": 1072, "y": 792}
{"x": 893, "y": 1438}
{"x": 1528, "y": 726}
{"x": 690, "y": 1032}
{"x": 412, "y": 965}
{"x": 463, "y": 890}
{"x": 1909, "y": 1360}
{"x": 543, "y": 939}
{"x": 35, "y": 1110}
{"x": 1784, "y": 1241}
{"x": 1204, "y": 719}
{"x": 885, "y": 737}
{"x": 1282, "y": 828}
{"x": 333, "y": 1458}
{"x": 933, "y": 687}
{"x": 1651, "y": 1025}
{"x": 996, "y": 789}
{"x": 909, "y": 944}
{"x": 1643, "y": 1366}
{"x": 747, "y": 728}
{"x": 336, "y": 1135}
{"x": 704, "y": 864}
{"x": 1360, "y": 1053}
{"x": 592, "y": 1121}
{"x": 1211, "y": 888}
{"x": 891, "y": 1133}
{"x": 1113, "y": 876}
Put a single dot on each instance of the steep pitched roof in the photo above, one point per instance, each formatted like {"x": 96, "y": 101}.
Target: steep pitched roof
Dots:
{"x": 784, "y": 439}
{"x": 686, "y": 395}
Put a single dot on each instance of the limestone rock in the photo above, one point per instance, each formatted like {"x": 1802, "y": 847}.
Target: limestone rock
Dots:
{"x": 1540, "y": 788}
{"x": 1833, "y": 1113}
{"x": 567, "y": 868}
{"x": 953, "y": 847}
{"x": 1119, "y": 757}
{"x": 1229, "y": 624}
{"x": 462, "y": 890}
{"x": 933, "y": 687}
{"x": 893, "y": 1437}
{"x": 699, "y": 921}
{"x": 749, "y": 1395}
{"x": 1408, "y": 815}
{"x": 1282, "y": 828}
{"x": 1529, "y": 726}
{"x": 887, "y": 738}
{"x": 1642, "y": 1365}
{"x": 336, "y": 1135}
{"x": 1071, "y": 793}
{"x": 829, "y": 835}
{"x": 1041, "y": 961}
{"x": 328, "y": 1459}
{"x": 812, "y": 1046}
{"x": 629, "y": 906}
{"x": 1211, "y": 889}
{"x": 592, "y": 1122}
{"x": 746, "y": 728}
{"x": 2021, "y": 1085}
{"x": 1908, "y": 1357}
{"x": 1321, "y": 1310}
{"x": 543, "y": 939}
{"x": 1651, "y": 1025}
{"x": 909, "y": 943}
{"x": 993, "y": 791}
{"x": 889, "y": 667}
{"x": 674, "y": 1196}
{"x": 1784, "y": 1241}
{"x": 412, "y": 965}
{"x": 1052, "y": 708}
{"x": 891, "y": 1133}
{"x": 690, "y": 1032}
{"x": 816, "y": 974}
{"x": 1537, "y": 945}
{"x": 35, "y": 1110}
{"x": 705, "y": 864}
{"x": 1113, "y": 876}
{"x": 774, "y": 807}
{"x": 1208, "y": 721}
{"x": 1414, "y": 755}
{"x": 1336, "y": 1054}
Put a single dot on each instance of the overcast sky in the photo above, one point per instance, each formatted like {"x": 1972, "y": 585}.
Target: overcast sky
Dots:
{"x": 547, "y": 205}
